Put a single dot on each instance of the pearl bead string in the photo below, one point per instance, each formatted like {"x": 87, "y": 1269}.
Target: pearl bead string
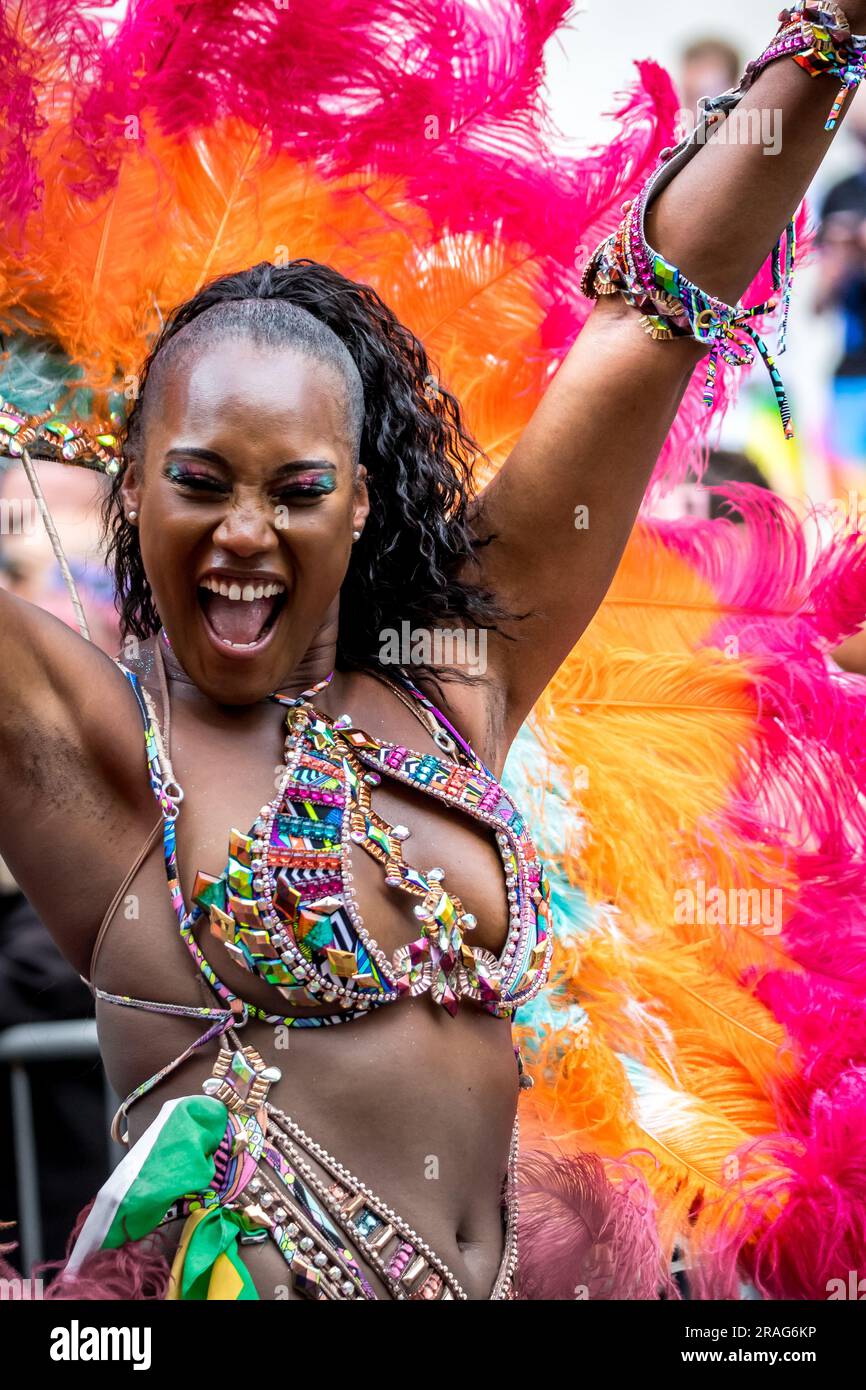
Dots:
{"x": 355, "y": 1187}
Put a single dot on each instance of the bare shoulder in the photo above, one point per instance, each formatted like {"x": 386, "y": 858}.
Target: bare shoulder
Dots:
{"x": 74, "y": 794}
{"x": 58, "y": 692}
{"x": 477, "y": 707}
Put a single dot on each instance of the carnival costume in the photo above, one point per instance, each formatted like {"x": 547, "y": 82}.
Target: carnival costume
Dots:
{"x": 286, "y": 910}
{"x": 698, "y": 748}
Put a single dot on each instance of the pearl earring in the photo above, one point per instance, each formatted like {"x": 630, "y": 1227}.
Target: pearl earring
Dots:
{"x": 356, "y": 535}
{"x": 132, "y": 515}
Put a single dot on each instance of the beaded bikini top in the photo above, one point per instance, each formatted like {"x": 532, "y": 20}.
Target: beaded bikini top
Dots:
{"x": 285, "y": 908}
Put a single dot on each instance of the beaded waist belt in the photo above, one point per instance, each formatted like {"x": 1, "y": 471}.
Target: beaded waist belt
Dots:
{"x": 241, "y": 1171}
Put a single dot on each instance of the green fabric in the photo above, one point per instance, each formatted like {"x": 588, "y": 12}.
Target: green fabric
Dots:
{"x": 179, "y": 1164}
{"x": 216, "y": 1234}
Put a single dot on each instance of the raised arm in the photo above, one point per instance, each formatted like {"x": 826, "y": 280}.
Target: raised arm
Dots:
{"x": 71, "y": 774}
{"x": 595, "y": 438}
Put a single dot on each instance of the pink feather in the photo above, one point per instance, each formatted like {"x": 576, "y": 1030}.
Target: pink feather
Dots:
{"x": 805, "y": 1229}
{"x": 46, "y": 47}
{"x": 800, "y": 784}
{"x": 136, "y": 1271}
{"x": 800, "y": 795}
{"x": 586, "y": 1233}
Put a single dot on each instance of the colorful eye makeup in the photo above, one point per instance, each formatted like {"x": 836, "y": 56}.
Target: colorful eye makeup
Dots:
{"x": 189, "y": 477}
{"x": 316, "y": 483}
{"x": 311, "y": 483}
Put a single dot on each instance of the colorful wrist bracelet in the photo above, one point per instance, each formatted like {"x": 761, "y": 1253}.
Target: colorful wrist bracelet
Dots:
{"x": 672, "y": 305}
{"x": 818, "y": 37}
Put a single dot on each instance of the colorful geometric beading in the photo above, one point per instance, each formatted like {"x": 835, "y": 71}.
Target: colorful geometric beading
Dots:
{"x": 324, "y": 1221}
{"x": 285, "y": 909}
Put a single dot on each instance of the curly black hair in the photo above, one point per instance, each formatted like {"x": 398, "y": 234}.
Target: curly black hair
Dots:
{"x": 412, "y": 441}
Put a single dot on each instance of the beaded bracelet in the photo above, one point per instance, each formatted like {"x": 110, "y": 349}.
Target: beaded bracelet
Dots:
{"x": 671, "y": 305}
{"x": 819, "y": 39}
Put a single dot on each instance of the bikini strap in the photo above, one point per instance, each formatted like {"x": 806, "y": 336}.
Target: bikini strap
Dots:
{"x": 154, "y": 833}
{"x": 169, "y": 795}
{"x": 224, "y": 1019}
{"x": 166, "y": 789}
{"x": 148, "y": 845}
{"x": 442, "y": 719}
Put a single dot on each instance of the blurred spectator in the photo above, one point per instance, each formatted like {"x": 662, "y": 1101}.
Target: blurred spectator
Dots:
{"x": 729, "y": 466}
{"x": 693, "y": 498}
{"x": 28, "y": 567}
{"x": 36, "y": 983}
{"x": 842, "y": 247}
{"x": 708, "y": 67}
{"x": 69, "y": 1117}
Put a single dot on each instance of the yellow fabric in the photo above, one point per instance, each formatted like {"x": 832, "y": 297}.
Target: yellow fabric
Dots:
{"x": 225, "y": 1282}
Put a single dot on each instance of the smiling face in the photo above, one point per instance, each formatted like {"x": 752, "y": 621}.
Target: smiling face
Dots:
{"x": 247, "y": 496}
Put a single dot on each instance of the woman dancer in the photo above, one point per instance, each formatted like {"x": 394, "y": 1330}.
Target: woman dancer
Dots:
{"x": 291, "y": 494}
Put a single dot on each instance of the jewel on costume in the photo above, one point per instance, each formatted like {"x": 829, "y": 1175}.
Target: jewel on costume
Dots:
{"x": 48, "y": 436}
{"x": 241, "y": 1080}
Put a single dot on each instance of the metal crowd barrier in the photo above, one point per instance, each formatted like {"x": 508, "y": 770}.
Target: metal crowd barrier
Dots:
{"x": 21, "y": 1047}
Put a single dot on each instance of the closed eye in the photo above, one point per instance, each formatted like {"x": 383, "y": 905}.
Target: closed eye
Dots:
{"x": 196, "y": 482}
{"x": 314, "y": 487}
{"x": 305, "y": 487}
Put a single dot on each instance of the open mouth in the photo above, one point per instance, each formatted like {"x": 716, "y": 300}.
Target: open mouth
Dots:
{"x": 240, "y": 614}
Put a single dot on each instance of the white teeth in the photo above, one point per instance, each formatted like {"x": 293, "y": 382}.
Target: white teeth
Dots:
{"x": 247, "y": 593}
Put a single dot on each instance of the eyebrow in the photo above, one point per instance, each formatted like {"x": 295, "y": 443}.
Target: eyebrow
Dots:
{"x": 211, "y": 456}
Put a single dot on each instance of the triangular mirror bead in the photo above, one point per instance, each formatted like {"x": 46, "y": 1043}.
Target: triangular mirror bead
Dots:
{"x": 208, "y": 891}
